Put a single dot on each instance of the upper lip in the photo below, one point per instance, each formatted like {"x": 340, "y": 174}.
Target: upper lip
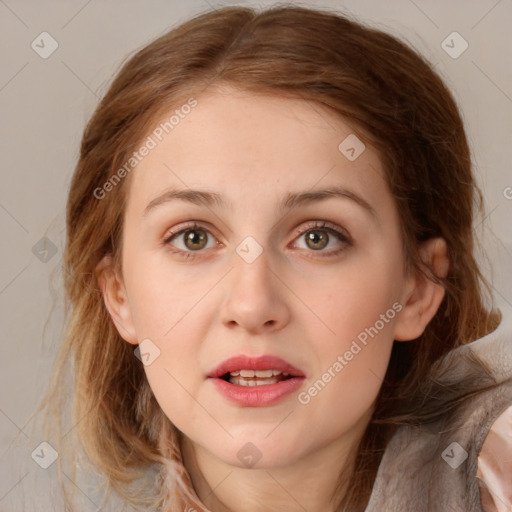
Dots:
{"x": 264, "y": 362}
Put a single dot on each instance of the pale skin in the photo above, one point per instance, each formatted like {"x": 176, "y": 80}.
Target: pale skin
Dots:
{"x": 290, "y": 302}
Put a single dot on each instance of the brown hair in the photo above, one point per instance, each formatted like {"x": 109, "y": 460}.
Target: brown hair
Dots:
{"x": 394, "y": 101}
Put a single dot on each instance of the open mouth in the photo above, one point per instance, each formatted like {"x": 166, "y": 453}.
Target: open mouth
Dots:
{"x": 261, "y": 381}
{"x": 255, "y": 377}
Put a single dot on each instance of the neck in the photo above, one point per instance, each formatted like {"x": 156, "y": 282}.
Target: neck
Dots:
{"x": 307, "y": 484}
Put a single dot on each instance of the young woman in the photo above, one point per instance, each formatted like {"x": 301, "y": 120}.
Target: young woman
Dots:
{"x": 274, "y": 299}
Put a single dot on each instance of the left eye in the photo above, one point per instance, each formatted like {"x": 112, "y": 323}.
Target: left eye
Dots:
{"x": 317, "y": 237}
{"x": 195, "y": 238}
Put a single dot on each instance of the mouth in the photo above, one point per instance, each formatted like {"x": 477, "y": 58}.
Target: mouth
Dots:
{"x": 255, "y": 377}
{"x": 256, "y": 381}
{"x": 263, "y": 370}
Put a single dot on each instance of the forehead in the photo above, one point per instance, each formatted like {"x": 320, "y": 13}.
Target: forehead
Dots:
{"x": 246, "y": 144}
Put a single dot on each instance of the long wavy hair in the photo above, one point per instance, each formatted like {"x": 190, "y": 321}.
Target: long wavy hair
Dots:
{"x": 395, "y": 102}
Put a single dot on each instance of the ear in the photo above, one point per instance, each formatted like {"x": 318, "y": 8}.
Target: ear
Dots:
{"x": 422, "y": 297}
{"x": 116, "y": 299}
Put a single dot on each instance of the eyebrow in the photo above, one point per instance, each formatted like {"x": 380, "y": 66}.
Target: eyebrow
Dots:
{"x": 290, "y": 201}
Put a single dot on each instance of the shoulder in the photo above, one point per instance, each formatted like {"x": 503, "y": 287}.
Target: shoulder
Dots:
{"x": 495, "y": 465}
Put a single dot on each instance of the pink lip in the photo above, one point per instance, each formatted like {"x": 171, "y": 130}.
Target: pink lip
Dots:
{"x": 257, "y": 396}
{"x": 266, "y": 362}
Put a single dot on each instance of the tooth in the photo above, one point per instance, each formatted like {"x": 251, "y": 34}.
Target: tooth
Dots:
{"x": 239, "y": 381}
{"x": 246, "y": 373}
{"x": 266, "y": 382}
{"x": 235, "y": 374}
{"x": 286, "y": 374}
{"x": 275, "y": 372}
{"x": 263, "y": 373}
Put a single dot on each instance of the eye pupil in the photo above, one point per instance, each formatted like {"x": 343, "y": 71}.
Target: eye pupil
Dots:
{"x": 190, "y": 236}
{"x": 313, "y": 237}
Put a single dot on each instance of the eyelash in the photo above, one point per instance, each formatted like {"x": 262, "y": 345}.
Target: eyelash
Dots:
{"x": 315, "y": 225}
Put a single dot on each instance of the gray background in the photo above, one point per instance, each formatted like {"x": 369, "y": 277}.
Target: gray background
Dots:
{"x": 44, "y": 104}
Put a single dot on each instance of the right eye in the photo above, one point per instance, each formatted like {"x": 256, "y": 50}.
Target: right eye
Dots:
{"x": 195, "y": 238}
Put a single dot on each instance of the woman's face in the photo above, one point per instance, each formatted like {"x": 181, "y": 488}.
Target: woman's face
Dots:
{"x": 262, "y": 277}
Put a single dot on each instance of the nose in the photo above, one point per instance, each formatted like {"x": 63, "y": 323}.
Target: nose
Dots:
{"x": 254, "y": 297}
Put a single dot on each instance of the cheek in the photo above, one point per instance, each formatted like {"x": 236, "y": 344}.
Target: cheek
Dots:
{"x": 337, "y": 403}
{"x": 173, "y": 391}
{"x": 359, "y": 306}
{"x": 352, "y": 297}
{"x": 175, "y": 377}
{"x": 163, "y": 295}
{"x": 350, "y": 371}
{"x": 168, "y": 307}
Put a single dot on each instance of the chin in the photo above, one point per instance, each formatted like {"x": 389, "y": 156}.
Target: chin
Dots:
{"x": 257, "y": 452}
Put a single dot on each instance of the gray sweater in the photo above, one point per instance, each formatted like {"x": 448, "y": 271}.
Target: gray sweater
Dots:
{"x": 433, "y": 468}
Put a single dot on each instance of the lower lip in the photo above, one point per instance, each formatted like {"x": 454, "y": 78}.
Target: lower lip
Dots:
{"x": 258, "y": 396}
